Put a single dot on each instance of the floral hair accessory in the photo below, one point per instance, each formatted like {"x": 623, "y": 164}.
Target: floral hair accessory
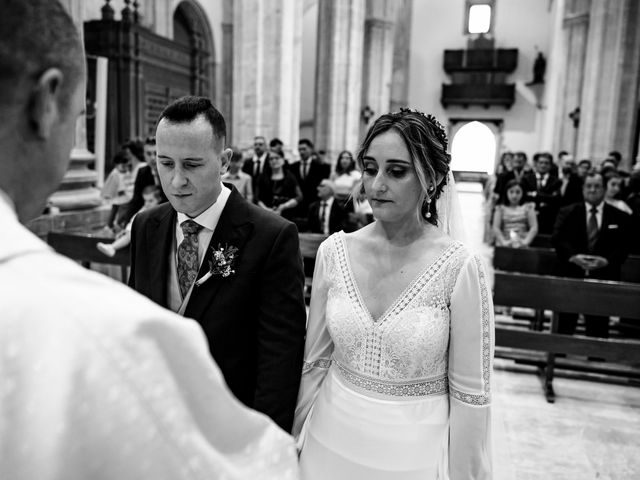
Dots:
{"x": 437, "y": 126}
{"x": 221, "y": 263}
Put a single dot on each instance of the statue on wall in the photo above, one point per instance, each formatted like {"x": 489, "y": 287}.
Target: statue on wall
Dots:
{"x": 539, "y": 68}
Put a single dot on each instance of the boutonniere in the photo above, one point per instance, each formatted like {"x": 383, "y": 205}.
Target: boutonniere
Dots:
{"x": 221, "y": 263}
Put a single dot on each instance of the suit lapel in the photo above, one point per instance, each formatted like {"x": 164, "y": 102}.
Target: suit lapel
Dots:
{"x": 160, "y": 238}
{"x": 233, "y": 230}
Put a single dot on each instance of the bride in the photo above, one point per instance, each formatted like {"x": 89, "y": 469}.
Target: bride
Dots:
{"x": 397, "y": 374}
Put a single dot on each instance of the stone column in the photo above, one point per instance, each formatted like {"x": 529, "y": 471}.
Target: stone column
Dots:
{"x": 267, "y": 38}
{"x": 401, "y": 54}
{"x": 78, "y": 186}
{"x": 610, "y": 95}
{"x": 378, "y": 58}
{"x": 338, "y": 98}
{"x": 576, "y": 28}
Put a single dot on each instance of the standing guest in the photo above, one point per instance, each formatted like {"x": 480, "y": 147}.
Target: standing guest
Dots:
{"x": 308, "y": 172}
{"x": 519, "y": 172}
{"x": 147, "y": 176}
{"x": 345, "y": 176}
{"x": 278, "y": 191}
{"x": 515, "y": 223}
{"x": 547, "y": 193}
{"x": 397, "y": 373}
{"x": 584, "y": 167}
{"x": 570, "y": 183}
{"x": 97, "y": 381}
{"x": 258, "y": 164}
{"x": 277, "y": 145}
{"x": 210, "y": 255}
{"x": 238, "y": 178}
{"x": 591, "y": 240}
{"x": 326, "y": 215}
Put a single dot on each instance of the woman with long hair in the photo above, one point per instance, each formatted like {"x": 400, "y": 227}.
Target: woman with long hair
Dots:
{"x": 396, "y": 381}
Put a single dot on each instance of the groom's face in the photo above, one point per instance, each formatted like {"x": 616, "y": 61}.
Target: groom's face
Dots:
{"x": 190, "y": 163}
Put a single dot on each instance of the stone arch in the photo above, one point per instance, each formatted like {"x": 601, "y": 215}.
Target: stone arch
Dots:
{"x": 191, "y": 27}
{"x": 474, "y": 146}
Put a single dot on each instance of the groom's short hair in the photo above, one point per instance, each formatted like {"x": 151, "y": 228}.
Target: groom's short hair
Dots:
{"x": 186, "y": 109}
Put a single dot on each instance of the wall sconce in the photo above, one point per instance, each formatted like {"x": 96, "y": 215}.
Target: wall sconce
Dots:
{"x": 366, "y": 114}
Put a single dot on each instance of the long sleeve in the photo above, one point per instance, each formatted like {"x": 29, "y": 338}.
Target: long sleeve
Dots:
{"x": 471, "y": 347}
{"x": 318, "y": 346}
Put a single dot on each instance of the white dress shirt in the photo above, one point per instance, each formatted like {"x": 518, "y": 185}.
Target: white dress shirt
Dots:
{"x": 208, "y": 220}
{"x": 262, "y": 159}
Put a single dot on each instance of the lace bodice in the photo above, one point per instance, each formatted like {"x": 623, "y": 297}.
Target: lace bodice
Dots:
{"x": 409, "y": 341}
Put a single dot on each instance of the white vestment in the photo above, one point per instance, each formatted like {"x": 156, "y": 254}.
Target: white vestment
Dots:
{"x": 97, "y": 382}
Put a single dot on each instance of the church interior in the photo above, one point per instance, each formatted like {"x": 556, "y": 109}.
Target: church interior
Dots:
{"x": 540, "y": 93}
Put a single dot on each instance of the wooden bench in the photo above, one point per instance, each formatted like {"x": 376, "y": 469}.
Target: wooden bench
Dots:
{"x": 309, "y": 243}
{"x": 559, "y": 294}
{"x": 82, "y": 248}
{"x": 542, "y": 261}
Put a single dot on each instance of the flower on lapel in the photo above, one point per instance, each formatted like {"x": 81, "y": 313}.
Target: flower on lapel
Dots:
{"x": 221, "y": 263}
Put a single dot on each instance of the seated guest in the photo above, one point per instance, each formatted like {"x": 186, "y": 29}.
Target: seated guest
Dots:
{"x": 547, "y": 193}
{"x": 278, "y": 189}
{"x": 584, "y": 167}
{"x": 118, "y": 187}
{"x": 613, "y": 184}
{"x": 146, "y": 176}
{"x": 326, "y": 215}
{"x": 238, "y": 178}
{"x": 570, "y": 183}
{"x": 519, "y": 172}
{"x": 514, "y": 223}
{"x": 591, "y": 240}
{"x": 345, "y": 176}
{"x": 151, "y": 196}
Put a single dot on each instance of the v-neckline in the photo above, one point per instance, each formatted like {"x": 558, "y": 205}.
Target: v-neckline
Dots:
{"x": 356, "y": 288}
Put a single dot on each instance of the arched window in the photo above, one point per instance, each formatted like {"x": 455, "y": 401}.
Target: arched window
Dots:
{"x": 473, "y": 149}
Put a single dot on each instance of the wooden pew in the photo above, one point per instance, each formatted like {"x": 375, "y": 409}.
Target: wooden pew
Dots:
{"x": 309, "y": 243}
{"x": 595, "y": 297}
{"x": 82, "y": 248}
{"x": 542, "y": 261}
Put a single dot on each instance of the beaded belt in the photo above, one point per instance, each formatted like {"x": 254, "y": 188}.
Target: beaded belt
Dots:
{"x": 417, "y": 388}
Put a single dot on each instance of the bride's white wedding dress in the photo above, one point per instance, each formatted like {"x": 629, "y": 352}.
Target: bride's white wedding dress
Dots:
{"x": 405, "y": 396}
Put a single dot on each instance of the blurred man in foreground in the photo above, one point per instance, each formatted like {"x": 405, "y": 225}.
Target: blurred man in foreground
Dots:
{"x": 97, "y": 381}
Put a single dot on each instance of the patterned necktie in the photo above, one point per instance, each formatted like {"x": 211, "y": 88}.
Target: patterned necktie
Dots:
{"x": 592, "y": 229}
{"x": 188, "y": 264}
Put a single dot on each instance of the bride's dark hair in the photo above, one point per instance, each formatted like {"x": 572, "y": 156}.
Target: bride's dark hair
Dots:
{"x": 426, "y": 142}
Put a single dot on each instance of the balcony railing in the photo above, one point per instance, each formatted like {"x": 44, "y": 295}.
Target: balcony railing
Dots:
{"x": 488, "y": 60}
{"x": 485, "y": 95}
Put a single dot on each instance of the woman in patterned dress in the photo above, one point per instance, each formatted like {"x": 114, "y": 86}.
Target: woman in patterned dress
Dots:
{"x": 397, "y": 374}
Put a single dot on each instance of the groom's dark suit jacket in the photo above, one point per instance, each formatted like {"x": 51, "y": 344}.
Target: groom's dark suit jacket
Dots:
{"x": 254, "y": 319}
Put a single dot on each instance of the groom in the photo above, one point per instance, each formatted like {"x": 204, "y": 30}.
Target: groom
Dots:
{"x": 235, "y": 268}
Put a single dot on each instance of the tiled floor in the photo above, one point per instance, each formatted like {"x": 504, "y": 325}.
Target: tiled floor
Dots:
{"x": 592, "y": 431}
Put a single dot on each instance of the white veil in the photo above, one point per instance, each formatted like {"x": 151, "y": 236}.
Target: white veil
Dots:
{"x": 450, "y": 219}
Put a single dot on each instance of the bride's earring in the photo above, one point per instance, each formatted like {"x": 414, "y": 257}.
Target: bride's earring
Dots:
{"x": 427, "y": 202}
